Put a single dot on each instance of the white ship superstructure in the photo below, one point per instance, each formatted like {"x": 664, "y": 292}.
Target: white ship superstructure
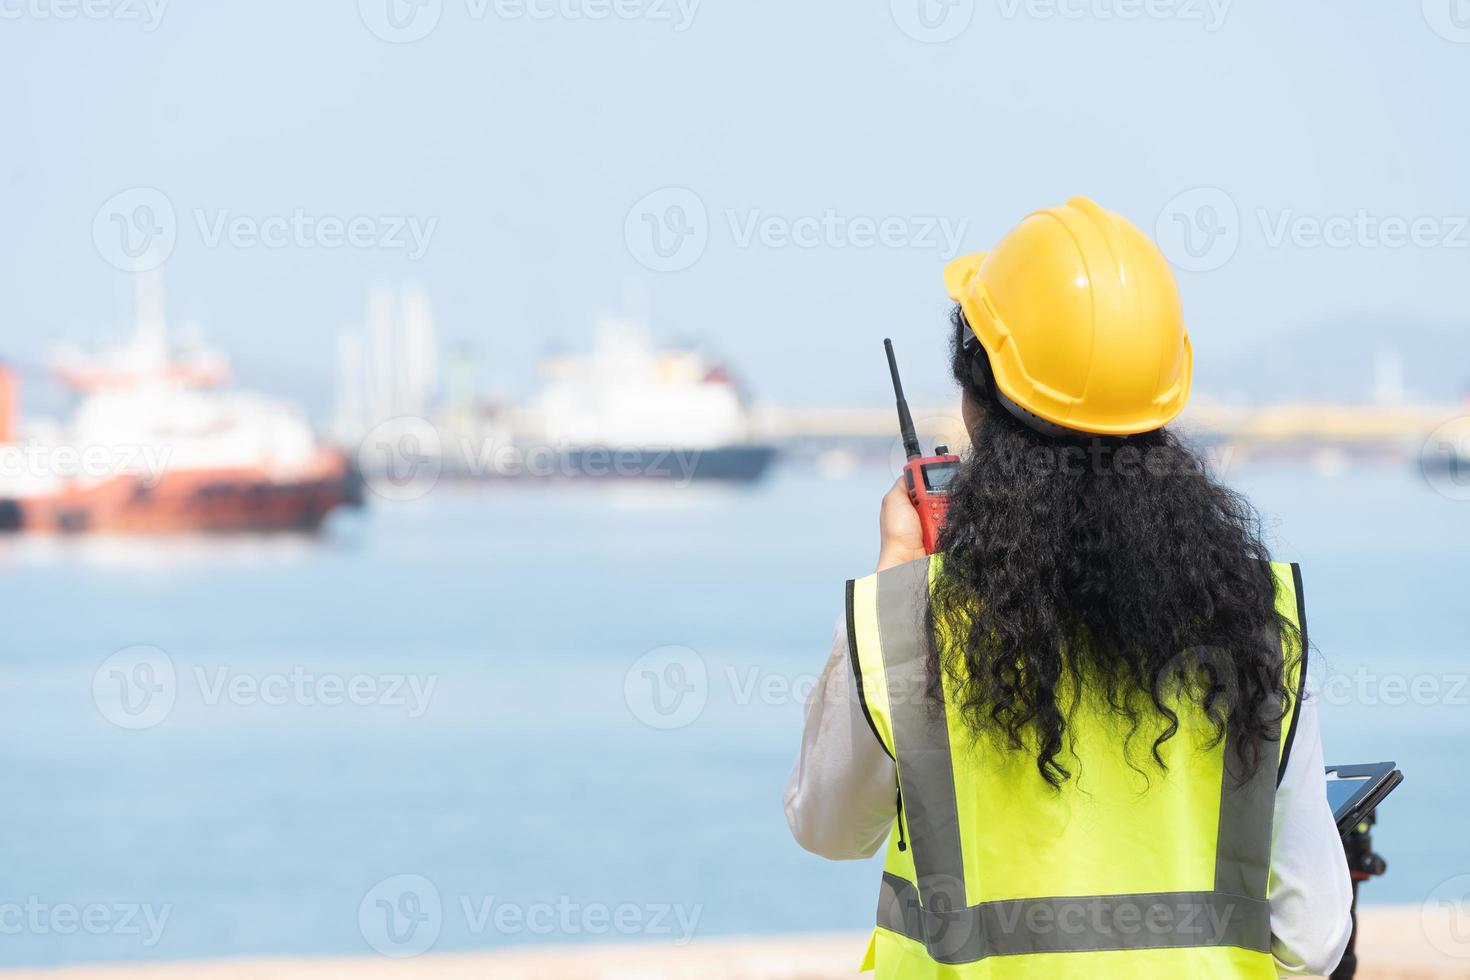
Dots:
{"x": 626, "y": 393}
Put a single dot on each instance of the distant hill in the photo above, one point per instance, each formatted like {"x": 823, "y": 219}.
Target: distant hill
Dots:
{"x": 1345, "y": 360}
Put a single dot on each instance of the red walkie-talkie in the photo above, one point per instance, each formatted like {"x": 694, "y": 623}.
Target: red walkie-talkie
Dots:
{"x": 927, "y": 477}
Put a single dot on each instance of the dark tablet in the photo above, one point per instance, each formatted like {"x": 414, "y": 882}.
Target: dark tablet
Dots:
{"x": 1353, "y": 791}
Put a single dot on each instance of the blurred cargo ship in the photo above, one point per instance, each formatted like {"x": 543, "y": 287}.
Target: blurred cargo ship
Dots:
{"x": 157, "y": 445}
{"x": 628, "y": 409}
{"x": 623, "y": 409}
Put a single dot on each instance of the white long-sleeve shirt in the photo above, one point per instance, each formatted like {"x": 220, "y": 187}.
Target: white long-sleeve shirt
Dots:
{"x": 839, "y": 804}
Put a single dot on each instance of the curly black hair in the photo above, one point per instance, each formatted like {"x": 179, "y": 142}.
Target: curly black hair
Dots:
{"x": 1116, "y": 563}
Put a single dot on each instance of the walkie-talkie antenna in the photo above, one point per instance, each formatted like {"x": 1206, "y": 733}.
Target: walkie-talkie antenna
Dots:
{"x": 905, "y": 420}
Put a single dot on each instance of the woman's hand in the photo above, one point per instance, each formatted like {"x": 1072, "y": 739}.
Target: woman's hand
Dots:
{"x": 901, "y": 537}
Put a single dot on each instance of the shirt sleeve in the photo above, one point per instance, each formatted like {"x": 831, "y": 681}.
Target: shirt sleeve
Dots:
{"x": 841, "y": 796}
{"x": 1310, "y": 890}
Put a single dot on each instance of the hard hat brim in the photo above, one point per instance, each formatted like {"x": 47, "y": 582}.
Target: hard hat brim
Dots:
{"x": 958, "y": 273}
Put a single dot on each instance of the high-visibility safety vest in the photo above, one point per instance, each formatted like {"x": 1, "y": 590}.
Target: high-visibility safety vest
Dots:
{"x": 1125, "y": 871}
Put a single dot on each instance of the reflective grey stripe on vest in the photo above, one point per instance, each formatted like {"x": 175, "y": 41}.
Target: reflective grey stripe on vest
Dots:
{"x": 1234, "y": 913}
{"x": 1243, "y": 841}
{"x": 1075, "y": 925}
{"x": 920, "y": 736}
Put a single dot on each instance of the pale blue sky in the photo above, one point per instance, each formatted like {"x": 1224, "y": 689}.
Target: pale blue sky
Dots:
{"x": 529, "y": 139}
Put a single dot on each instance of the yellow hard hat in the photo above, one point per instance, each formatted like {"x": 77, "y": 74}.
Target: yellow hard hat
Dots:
{"x": 1080, "y": 315}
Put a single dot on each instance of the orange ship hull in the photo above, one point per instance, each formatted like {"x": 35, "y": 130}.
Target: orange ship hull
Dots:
{"x": 193, "y": 501}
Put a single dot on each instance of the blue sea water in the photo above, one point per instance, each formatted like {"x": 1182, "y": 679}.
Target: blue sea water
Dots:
{"x": 534, "y": 789}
